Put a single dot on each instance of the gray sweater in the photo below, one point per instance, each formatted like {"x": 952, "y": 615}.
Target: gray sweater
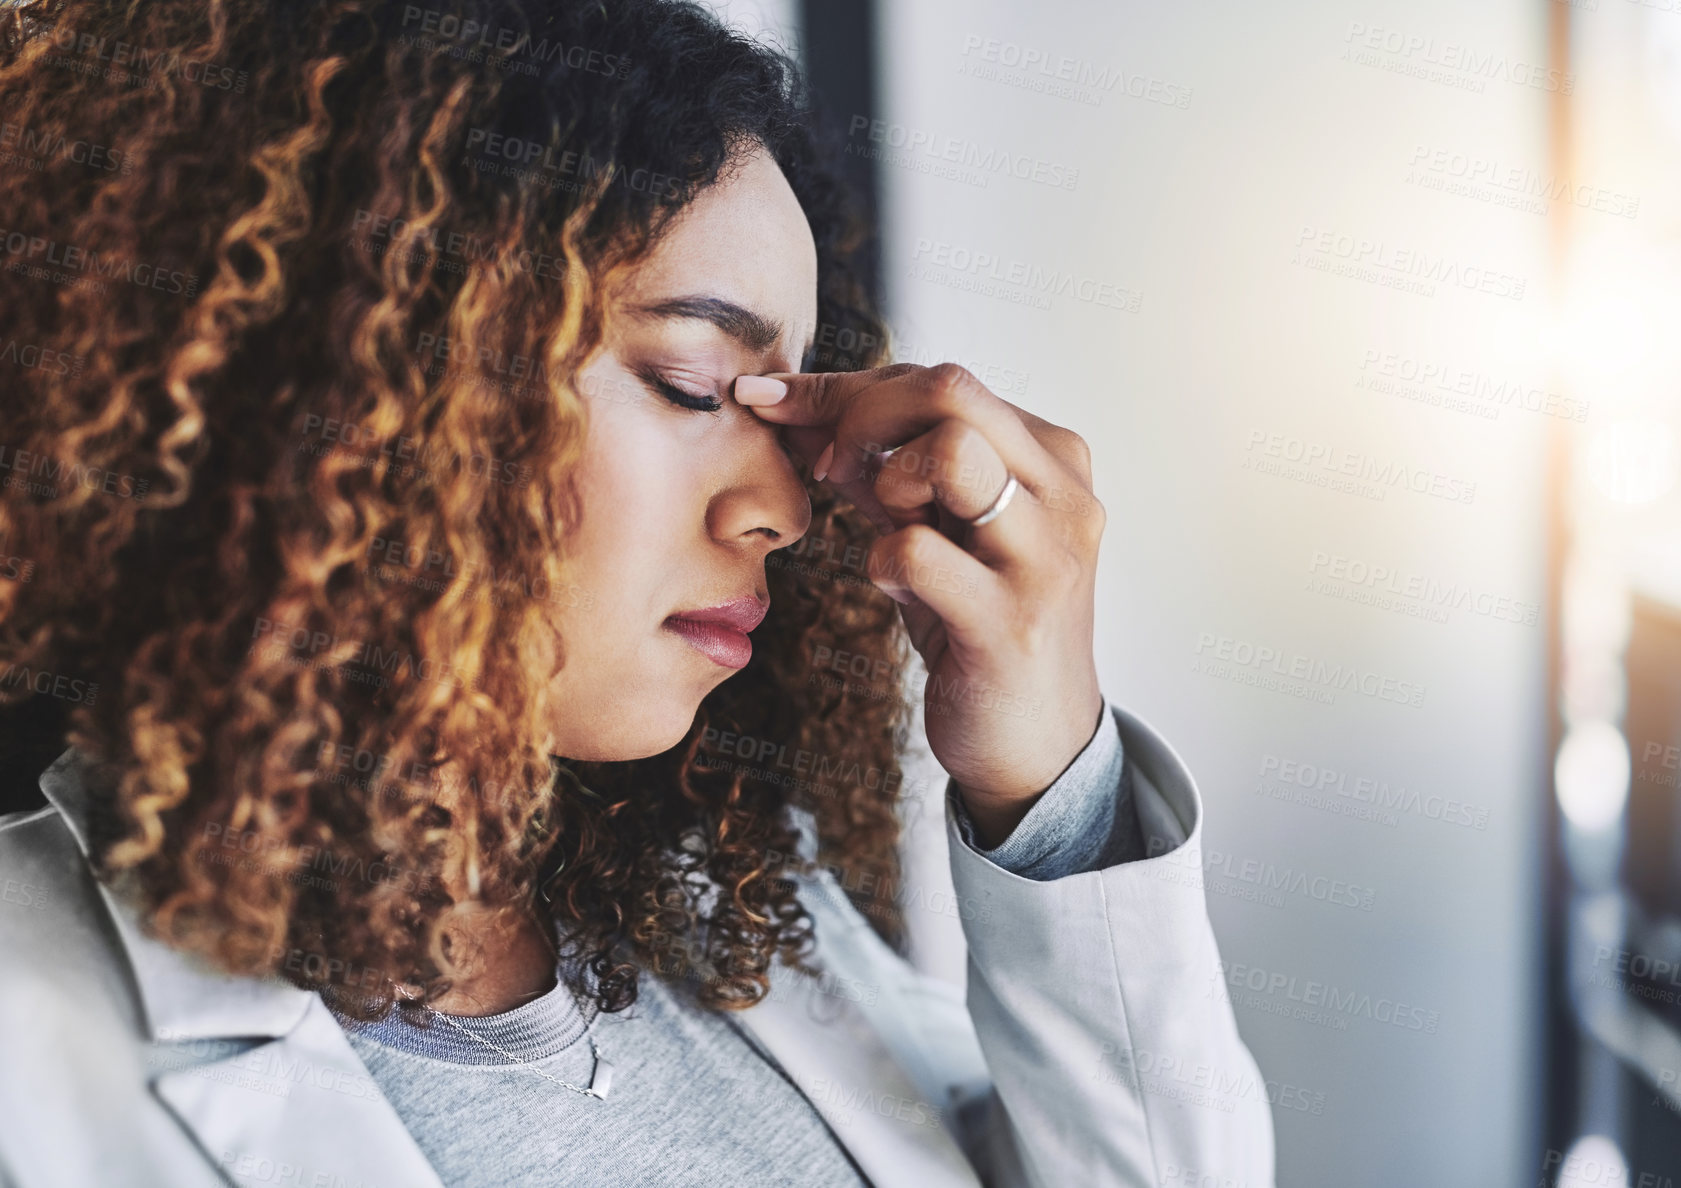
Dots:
{"x": 694, "y": 1101}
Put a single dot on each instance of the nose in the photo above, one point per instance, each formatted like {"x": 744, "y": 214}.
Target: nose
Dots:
{"x": 762, "y": 502}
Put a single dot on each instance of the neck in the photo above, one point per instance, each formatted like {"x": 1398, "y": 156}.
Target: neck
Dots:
{"x": 506, "y": 959}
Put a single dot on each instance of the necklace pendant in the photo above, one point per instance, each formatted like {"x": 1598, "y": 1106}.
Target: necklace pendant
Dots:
{"x": 601, "y": 1078}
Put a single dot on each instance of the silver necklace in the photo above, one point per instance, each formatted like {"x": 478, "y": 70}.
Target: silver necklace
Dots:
{"x": 601, "y": 1074}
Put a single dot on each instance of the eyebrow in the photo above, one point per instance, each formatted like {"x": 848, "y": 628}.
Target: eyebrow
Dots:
{"x": 753, "y": 330}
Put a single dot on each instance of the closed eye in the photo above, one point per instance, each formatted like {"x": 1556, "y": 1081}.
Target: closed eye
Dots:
{"x": 696, "y": 401}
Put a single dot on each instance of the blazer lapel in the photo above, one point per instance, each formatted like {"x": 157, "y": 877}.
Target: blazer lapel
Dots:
{"x": 300, "y": 1109}
{"x": 283, "y": 1097}
{"x": 821, "y": 1034}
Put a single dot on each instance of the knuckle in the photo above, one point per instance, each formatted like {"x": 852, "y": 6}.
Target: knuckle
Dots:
{"x": 1095, "y": 519}
{"x": 952, "y": 384}
{"x": 911, "y": 543}
{"x": 1068, "y": 444}
{"x": 1065, "y": 557}
{"x": 891, "y": 557}
{"x": 949, "y": 374}
{"x": 885, "y": 548}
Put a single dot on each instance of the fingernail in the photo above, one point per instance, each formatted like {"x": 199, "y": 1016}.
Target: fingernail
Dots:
{"x": 897, "y": 593}
{"x": 759, "y": 389}
{"x": 821, "y": 470}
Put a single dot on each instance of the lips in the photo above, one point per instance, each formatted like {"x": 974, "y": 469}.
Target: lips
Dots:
{"x": 720, "y": 632}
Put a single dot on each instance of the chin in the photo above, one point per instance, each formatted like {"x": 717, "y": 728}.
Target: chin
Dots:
{"x": 619, "y": 734}
{"x": 659, "y": 741}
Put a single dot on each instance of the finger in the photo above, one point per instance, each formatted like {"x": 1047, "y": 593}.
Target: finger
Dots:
{"x": 814, "y": 398}
{"x": 805, "y": 444}
{"x": 953, "y": 466}
{"x": 808, "y": 445}
{"x": 873, "y": 411}
{"x": 954, "y": 584}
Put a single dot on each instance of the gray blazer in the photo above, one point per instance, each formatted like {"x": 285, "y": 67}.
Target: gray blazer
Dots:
{"x": 1092, "y": 1047}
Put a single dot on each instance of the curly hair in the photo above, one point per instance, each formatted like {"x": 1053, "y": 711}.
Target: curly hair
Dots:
{"x": 292, "y": 304}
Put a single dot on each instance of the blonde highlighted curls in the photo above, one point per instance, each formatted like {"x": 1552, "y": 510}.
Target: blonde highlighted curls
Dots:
{"x": 294, "y": 481}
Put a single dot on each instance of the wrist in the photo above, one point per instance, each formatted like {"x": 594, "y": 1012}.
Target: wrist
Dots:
{"x": 994, "y": 813}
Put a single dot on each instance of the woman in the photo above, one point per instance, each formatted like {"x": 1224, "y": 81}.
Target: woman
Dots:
{"x": 431, "y": 433}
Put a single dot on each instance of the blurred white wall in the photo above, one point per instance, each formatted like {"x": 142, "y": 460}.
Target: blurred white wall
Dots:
{"x": 1271, "y": 261}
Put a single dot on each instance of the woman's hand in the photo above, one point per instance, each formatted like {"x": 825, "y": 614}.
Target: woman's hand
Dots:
{"x": 1001, "y": 613}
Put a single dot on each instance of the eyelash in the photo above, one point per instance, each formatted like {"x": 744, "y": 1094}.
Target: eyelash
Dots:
{"x": 679, "y": 397}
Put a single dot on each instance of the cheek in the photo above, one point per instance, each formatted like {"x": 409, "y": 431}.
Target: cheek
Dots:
{"x": 640, "y": 486}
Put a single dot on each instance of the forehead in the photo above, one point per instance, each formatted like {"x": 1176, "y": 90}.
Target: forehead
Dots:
{"x": 746, "y": 240}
